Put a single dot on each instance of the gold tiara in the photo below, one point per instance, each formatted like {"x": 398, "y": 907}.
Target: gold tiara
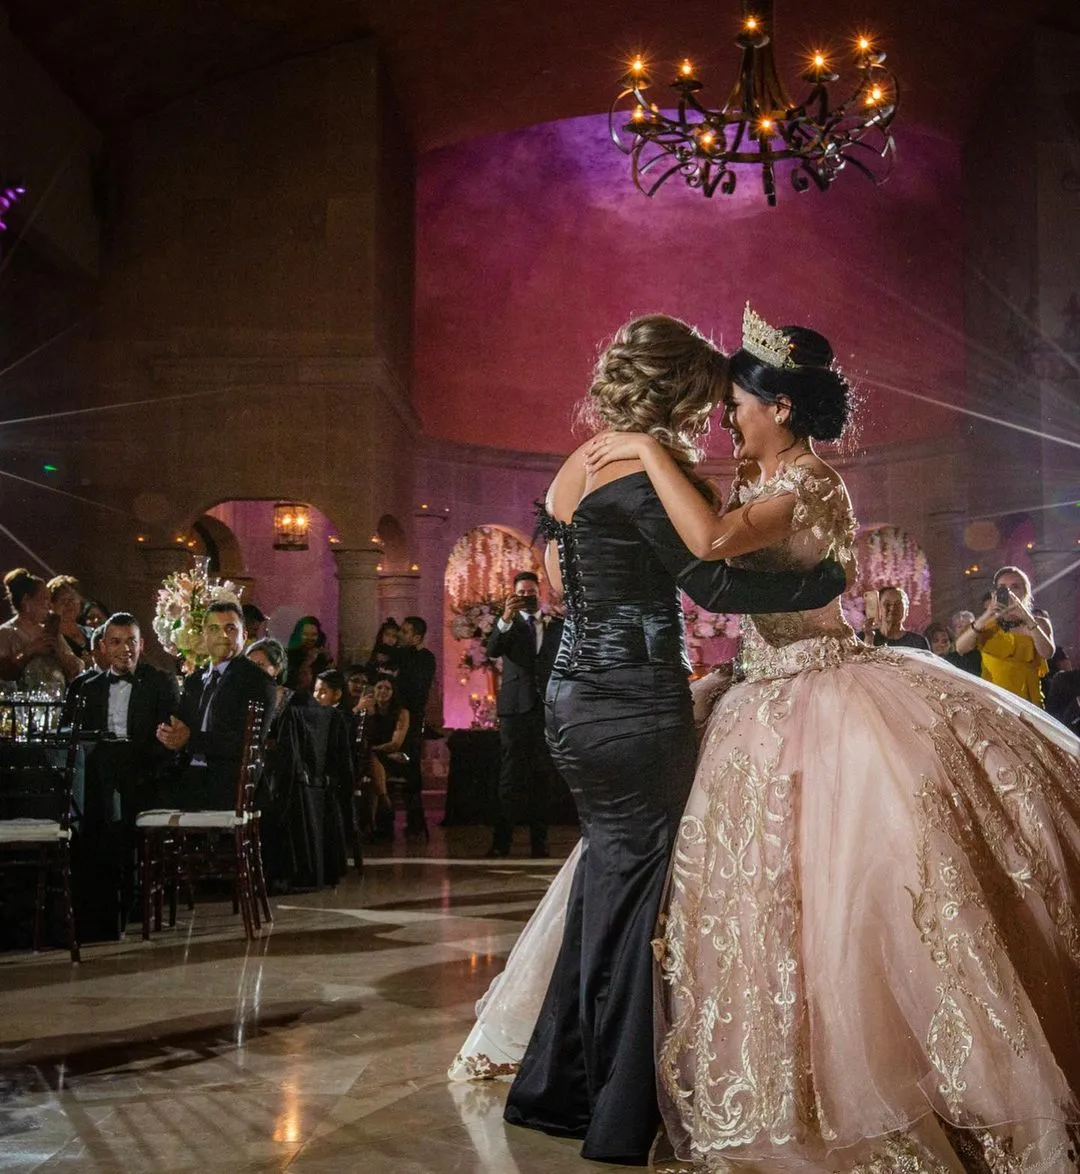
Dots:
{"x": 765, "y": 342}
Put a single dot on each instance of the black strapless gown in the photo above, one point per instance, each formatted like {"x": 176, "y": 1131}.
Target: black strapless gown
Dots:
{"x": 620, "y": 728}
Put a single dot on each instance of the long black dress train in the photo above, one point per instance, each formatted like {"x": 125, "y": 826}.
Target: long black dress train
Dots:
{"x": 621, "y": 732}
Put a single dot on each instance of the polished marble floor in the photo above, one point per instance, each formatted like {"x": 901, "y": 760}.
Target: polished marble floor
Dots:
{"x": 321, "y": 1047}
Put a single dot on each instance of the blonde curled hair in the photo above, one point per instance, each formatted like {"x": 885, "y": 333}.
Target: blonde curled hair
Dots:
{"x": 660, "y": 376}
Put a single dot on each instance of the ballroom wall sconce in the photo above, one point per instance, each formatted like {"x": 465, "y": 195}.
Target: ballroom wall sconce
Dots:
{"x": 292, "y": 520}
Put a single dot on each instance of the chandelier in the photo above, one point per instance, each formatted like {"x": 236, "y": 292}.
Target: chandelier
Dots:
{"x": 759, "y": 125}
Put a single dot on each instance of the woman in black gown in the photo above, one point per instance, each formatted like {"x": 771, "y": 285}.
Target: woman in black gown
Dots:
{"x": 621, "y": 732}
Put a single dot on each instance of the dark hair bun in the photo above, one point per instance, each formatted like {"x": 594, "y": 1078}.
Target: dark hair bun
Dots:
{"x": 821, "y": 400}
{"x": 808, "y": 348}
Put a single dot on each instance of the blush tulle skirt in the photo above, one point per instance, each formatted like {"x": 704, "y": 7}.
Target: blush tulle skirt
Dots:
{"x": 869, "y": 955}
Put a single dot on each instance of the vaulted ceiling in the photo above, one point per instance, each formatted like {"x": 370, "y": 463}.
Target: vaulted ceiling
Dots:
{"x": 464, "y": 68}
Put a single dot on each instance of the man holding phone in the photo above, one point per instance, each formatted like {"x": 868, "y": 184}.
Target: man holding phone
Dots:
{"x": 886, "y": 611}
{"x": 527, "y": 639}
{"x": 1015, "y": 640}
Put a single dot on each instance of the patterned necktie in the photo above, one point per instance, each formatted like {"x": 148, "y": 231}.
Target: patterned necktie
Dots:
{"x": 531, "y": 621}
{"x": 208, "y": 691}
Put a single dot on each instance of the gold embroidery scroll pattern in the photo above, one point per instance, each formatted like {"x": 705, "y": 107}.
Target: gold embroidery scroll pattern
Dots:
{"x": 736, "y": 862}
{"x": 481, "y": 1067}
{"x": 1034, "y": 784}
{"x": 945, "y": 902}
{"x": 900, "y": 1154}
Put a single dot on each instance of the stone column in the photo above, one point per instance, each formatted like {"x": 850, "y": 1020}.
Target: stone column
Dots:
{"x": 358, "y": 602}
{"x": 158, "y": 562}
{"x": 398, "y": 595}
{"x": 945, "y": 549}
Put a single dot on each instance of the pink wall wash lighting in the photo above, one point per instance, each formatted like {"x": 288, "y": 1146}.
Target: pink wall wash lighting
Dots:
{"x": 9, "y": 196}
{"x": 759, "y": 125}
{"x": 291, "y": 523}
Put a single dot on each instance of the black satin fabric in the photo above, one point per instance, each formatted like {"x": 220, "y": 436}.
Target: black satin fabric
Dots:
{"x": 621, "y": 733}
{"x": 620, "y": 729}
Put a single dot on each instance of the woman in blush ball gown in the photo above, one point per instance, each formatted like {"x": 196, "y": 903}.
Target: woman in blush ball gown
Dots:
{"x": 869, "y": 958}
{"x": 621, "y": 733}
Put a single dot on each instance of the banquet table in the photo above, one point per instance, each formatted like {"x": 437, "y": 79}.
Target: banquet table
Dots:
{"x": 97, "y": 841}
{"x": 472, "y": 782}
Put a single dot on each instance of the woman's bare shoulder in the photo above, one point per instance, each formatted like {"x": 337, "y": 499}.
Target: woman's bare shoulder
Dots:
{"x": 567, "y": 486}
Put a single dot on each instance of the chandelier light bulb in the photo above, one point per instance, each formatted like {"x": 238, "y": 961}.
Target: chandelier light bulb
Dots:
{"x": 637, "y": 66}
{"x": 686, "y": 69}
{"x": 751, "y": 24}
{"x": 819, "y": 60}
{"x": 638, "y": 114}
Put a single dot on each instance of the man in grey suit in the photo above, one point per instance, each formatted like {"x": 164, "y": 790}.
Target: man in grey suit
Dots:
{"x": 527, "y": 639}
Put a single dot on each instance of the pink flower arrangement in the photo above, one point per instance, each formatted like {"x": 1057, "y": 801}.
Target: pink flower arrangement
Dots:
{"x": 182, "y": 601}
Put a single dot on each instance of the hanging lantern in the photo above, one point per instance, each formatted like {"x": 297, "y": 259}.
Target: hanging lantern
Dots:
{"x": 292, "y": 519}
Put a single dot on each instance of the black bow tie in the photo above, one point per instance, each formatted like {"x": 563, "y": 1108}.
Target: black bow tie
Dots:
{"x": 114, "y": 677}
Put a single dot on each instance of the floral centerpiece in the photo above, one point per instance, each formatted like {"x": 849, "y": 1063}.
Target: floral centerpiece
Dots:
{"x": 182, "y": 603}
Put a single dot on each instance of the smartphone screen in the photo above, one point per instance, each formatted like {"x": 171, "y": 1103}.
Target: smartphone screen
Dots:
{"x": 870, "y": 601}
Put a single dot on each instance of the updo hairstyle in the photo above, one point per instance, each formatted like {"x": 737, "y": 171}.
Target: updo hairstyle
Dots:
{"x": 658, "y": 375}
{"x": 20, "y": 585}
{"x": 821, "y": 398}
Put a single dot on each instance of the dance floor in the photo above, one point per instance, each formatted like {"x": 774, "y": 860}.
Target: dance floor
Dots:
{"x": 321, "y": 1047}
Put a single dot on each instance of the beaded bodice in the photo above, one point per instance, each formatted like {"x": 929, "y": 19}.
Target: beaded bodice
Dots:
{"x": 823, "y": 526}
{"x": 622, "y": 601}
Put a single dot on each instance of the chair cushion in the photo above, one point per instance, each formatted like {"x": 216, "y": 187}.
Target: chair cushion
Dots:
{"x": 31, "y": 831}
{"x": 191, "y": 819}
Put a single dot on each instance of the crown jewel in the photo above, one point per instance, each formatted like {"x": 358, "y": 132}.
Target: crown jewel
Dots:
{"x": 765, "y": 342}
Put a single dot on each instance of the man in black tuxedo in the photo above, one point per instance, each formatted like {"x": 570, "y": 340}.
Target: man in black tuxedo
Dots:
{"x": 527, "y": 640}
{"x": 209, "y": 729}
{"x": 122, "y": 705}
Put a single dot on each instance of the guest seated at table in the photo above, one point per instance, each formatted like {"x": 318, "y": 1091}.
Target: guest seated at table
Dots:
{"x": 100, "y": 663}
{"x": 269, "y": 655}
{"x": 308, "y": 654}
{"x": 384, "y": 662}
{"x": 32, "y": 652}
{"x": 357, "y": 685}
{"x": 330, "y": 690}
{"x": 386, "y": 727}
{"x": 123, "y": 706}
{"x": 254, "y": 624}
{"x": 209, "y": 727}
{"x": 65, "y": 600}
{"x": 94, "y": 613}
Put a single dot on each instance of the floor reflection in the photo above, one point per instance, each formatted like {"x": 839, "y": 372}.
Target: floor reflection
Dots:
{"x": 320, "y": 1047}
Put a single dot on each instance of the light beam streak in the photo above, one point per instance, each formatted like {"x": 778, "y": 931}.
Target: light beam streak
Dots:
{"x": 135, "y": 403}
{"x": 927, "y": 399}
{"x": 1057, "y": 575}
{"x": 22, "y": 546}
{"x": 64, "y": 493}
{"x": 38, "y": 349}
{"x": 1025, "y": 509}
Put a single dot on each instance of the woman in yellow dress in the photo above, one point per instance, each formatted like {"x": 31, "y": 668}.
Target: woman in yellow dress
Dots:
{"x": 1015, "y": 642}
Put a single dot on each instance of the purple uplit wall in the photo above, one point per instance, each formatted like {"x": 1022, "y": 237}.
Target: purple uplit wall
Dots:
{"x": 287, "y": 583}
{"x": 532, "y": 247}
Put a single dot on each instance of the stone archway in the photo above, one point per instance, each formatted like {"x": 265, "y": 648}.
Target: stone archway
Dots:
{"x": 285, "y": 584}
